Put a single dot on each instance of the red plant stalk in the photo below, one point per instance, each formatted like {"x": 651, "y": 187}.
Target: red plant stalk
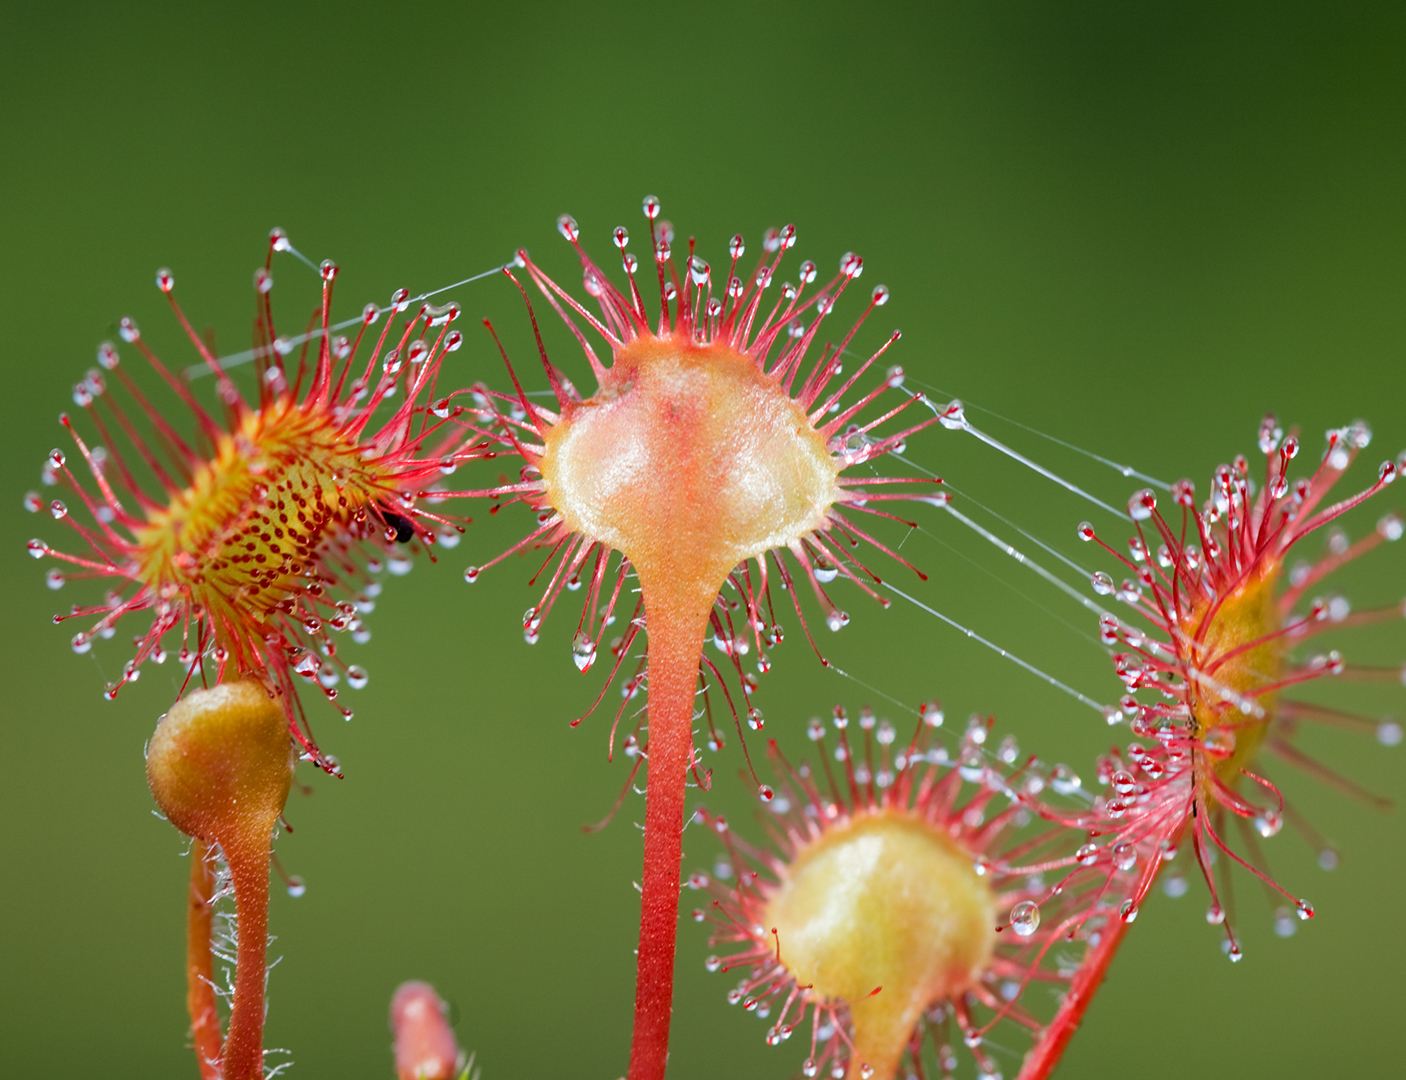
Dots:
{"x": 242, "y": 1054}
{"x": 244, "y": 1043}
{"x": 675, "y": 641}
{"x": 200, "y": 975}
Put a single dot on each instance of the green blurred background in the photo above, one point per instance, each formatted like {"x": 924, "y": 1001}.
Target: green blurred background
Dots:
{"x": 1136, "y": 227}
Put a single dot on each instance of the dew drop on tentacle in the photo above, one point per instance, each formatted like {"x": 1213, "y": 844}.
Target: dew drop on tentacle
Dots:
{"x": 1268, "y": 822}
{"x": 1142, "y": 504}
{"x": 1025, "y": 918}
{"x": 583, "y": 651}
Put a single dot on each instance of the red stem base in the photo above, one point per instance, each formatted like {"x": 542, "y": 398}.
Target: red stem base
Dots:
{"x": 674, "y": 648}
{"x": 200, "y": 989}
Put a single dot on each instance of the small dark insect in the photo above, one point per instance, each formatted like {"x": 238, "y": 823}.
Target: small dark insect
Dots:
{"x": 403, "y": 526}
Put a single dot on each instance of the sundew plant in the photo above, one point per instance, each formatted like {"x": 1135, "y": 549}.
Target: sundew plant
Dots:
{"x": 727, "y": 467}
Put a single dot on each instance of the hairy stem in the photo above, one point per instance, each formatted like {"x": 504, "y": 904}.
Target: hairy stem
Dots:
{"x": 1040, "y": 1062}
{"x": 244, "y": 1046}
{"x": 675, "y": 644}
{"x": 200, "y": 989}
